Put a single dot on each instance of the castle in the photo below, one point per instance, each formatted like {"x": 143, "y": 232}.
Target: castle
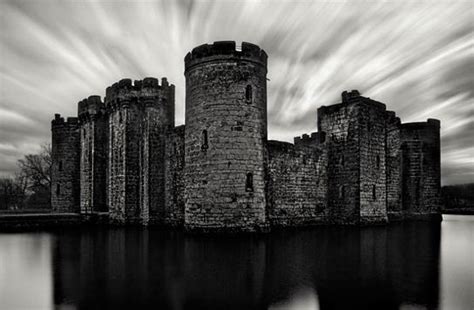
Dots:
{"x": 125, "y": 158}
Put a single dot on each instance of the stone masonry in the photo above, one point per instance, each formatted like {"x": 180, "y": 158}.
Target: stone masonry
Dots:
{"x": 225, "y": 136}
{"x": 65, "y": 149}
{"x": 93, "y": 154}
{"x": 123, "y": 157}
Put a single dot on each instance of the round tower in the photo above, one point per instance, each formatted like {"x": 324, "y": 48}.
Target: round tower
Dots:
{"x": 225, "y": 137}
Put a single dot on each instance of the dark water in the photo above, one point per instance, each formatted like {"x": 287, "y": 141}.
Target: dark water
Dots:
{"x": 405, "y": 266}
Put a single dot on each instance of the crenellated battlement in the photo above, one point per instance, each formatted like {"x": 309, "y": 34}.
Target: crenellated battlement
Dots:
{"x": 59, "y": 121}
{"x": 348, "y": 96}
{"x": 225, "y": 49}
{"x": 126, "y": 90}
{"x": 314, "y": 138}
{"x": 430, "y": 123}
{"x": 90, "y": 106}
{"x": 392, "y": 120}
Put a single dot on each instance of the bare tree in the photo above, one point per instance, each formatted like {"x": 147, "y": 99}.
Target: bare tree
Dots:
{"x": 34, "y": 177}
{"x": 35, "y": 169}
{"x": 11, "y": 196}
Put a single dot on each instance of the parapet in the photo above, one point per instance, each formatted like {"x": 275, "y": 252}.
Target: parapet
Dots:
{"x": 425, "y": 131}
{"x": 90, "y": 106}
{"x": 316, "y": 138}
{"x": 225, "y": 50}
{"x": 434, "y": 122}
{"x": 392, "y": 118}
{"x": 430, "y": 123}
{"x": 59, "y": 121}
{"x": 274, "y": 146}
{"x": 349, "y": 96}
{"x": 147, "y": 87}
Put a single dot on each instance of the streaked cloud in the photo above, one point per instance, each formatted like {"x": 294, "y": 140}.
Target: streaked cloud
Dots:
{"x": 416, "y": 56}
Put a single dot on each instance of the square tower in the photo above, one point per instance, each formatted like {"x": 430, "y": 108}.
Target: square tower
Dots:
{"x": 421, "y": 186}
{"x": 140, "y": 117}
{"x": 65, "y": 153}
{"x": 355, "y": 140}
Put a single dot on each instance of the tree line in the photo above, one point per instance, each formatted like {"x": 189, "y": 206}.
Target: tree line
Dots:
{"x": 30, "y": 187}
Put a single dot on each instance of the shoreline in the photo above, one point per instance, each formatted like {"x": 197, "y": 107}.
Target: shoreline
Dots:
{"x": 458, "y": 211}
{"x": 27, "y": 222}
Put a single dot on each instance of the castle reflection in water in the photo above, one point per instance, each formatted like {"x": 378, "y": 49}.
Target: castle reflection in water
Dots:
{"x": 375, "y": 267}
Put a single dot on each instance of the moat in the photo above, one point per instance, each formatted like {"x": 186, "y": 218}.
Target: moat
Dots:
{"x": 421, "y": 264}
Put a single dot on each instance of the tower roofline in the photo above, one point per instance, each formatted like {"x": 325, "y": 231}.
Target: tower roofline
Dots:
{"x": 225, "y": 49}
{"x": 126, "y": 85}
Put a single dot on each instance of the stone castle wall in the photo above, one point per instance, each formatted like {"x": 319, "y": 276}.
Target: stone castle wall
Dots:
{"x": 174, "y": 191}
{"x": 65, "y": 164}
{"x": 125, "y": 156}
{"x": 226, "y": 130}
{"x": 421, "y": 168}
{"x": 295, "y": 196}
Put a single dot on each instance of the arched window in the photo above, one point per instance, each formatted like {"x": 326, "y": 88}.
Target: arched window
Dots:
{"x": 249, "y": 182}
{"x": 378, "y": 161}
{"x": 204, "y": 142}
{"x": 58, "y": 190}
{"x": 60, "y": 165}
{"x": 374, "y": 196}
{"x": 248, "y": 94}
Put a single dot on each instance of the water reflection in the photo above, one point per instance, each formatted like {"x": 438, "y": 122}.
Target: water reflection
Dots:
{"x": 378, "y": 267}
{"x": 25, "y": 271}
{"x": 457, "y": 262}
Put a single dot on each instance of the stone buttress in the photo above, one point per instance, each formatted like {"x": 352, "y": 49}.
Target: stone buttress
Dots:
{"x": 94, "y": 154}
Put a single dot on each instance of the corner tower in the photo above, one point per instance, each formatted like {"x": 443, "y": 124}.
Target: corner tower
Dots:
{"x": 225, "y": 137}
{"x": 421, "y": 175}
{"x": 355, "y": 138}
{"x": 65, "y": 151}
{"x": 140, "y": 116}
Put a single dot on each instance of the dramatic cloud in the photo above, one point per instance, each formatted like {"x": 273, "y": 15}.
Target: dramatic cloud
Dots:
{"x": 417, "y": 57}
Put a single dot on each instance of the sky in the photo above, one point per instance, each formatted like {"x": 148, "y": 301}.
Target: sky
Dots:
{"x": 415, "y": 56}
